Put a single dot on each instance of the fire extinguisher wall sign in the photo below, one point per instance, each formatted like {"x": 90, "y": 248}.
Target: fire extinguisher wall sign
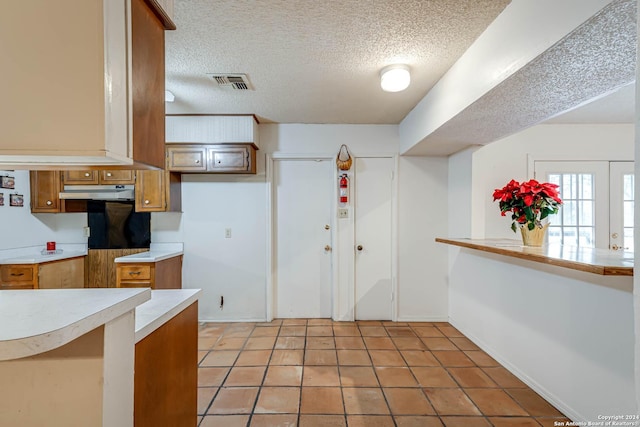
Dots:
{"x": 343, "y": 195}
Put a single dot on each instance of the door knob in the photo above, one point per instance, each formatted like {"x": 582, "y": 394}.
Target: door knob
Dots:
{"x": 327, "y": 248}
{"x": 359, "y": 248}
{"x": 326, "y": 227}
{"x": 615, "y": 247}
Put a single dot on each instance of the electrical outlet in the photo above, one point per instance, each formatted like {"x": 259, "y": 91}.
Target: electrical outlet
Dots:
{"x": 86, "y": 232}
{"x": 227, "y": 233}
{"x": 343, "y": 213}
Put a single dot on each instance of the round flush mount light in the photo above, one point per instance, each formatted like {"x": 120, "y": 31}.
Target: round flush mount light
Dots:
{"x": 395, "y": 78}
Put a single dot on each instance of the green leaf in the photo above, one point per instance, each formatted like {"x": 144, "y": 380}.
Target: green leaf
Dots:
{"x": 531, "y": 226}
{"x": 513, "y": 226}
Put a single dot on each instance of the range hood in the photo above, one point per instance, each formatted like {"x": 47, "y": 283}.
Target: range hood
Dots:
{"x": 97, "y": 192}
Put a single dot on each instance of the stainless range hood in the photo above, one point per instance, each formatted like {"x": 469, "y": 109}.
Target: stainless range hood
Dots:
{"x": 97, "y": 192}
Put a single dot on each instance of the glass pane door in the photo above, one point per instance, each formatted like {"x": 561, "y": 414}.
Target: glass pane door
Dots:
{"x": 622, "y": 206}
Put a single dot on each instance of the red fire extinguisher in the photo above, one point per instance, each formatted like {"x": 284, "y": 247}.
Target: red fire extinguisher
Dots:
{"x": 344, "y": 188}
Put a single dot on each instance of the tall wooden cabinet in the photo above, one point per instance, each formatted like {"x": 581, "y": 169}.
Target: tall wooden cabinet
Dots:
{"x": 82, "y": 117}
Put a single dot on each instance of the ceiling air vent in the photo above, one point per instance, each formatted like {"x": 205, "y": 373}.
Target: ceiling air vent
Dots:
{"x": 232, "y": 81}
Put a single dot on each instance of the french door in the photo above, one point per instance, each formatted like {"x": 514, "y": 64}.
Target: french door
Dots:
{"x": 597, "y": 208}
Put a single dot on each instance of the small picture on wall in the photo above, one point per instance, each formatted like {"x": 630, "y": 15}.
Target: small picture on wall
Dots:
{"x": 7, "y": 182}
{"x": 16, "y": 200}
{"x": 1, "y": 199}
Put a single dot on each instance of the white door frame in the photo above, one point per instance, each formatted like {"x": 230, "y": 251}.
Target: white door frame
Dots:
{"x": 271, "y": 259}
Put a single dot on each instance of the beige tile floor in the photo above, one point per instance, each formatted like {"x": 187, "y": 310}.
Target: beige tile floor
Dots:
{"x": 316, "y": 372}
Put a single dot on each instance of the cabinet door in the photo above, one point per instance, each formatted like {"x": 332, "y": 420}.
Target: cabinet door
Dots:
{"x": 64, "y": 274}
{"x": 231, "y": 159}
{"x": 117, "y": 177}
{"x": 147, "y": 81}
{"x": 187, "y": 158}
{"x": 150, "y": 191}
{"x": 45, "y": 191}
{"x": 81, "y": 177}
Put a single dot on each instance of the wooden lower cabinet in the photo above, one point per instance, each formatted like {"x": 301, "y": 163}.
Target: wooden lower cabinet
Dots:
{"x": 62, "y": 274}
{"x": 100, "y": 266}
{"x": 165, "y": 274}
{"x": 166, "y": 373}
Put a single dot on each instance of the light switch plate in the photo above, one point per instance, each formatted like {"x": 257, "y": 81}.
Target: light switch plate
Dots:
{"x": 227, "y": 233}
{"x": 343, "y": 213}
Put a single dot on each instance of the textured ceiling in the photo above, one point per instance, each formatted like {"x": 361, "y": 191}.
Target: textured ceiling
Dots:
{"x": 316, "y": 61}
{"x": 598, "y": 58}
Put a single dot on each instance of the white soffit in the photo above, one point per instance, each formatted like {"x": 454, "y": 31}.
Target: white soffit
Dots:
{"x": 597, "y": 58}
{"x": 316, "y": 61}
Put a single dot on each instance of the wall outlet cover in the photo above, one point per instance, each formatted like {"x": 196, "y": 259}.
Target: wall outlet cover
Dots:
{"x": 343, "y": 213}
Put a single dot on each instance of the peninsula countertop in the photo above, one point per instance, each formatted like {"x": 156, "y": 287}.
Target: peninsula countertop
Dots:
{"x": 162, "y": 307}
{"x": 591, "y": 260}
{"x": 36, "y": 321}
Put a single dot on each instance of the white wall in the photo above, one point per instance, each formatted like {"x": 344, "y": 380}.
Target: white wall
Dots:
{"x": 566, "y": 335}
{"x": 20, "y": 228}
{"x": 423, "y": 215}
{"x": 236, "y": 268}
{"x": 494, "y": 165}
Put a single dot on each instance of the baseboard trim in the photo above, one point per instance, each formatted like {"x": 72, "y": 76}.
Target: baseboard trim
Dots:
{"x": 535, "y": 386}
{"x": 423, "y": 319}
{"x": 231, "y": 320}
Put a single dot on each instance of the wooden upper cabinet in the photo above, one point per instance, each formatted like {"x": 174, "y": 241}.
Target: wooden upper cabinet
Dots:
{"x": 158, "y": 191}
{"x": 212, "y": 158}
{"x": 80, "y": 177}
{"x": 95, "y": 177}
{"x": 45, "y": 190}
{"x": 83, "y": 119}
{"x": 117, "y": 177}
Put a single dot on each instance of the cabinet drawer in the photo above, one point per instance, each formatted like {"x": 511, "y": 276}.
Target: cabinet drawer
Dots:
{"x": 12, "y": 274}
{"x": 229, "y": 159}
{"x": 187, "y": 158}
{"x": 81, "y": 177}
{"x": 131, "y": 273}
{"x": 119, "y": 177}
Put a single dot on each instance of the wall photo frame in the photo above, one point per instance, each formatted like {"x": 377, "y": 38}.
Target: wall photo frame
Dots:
{"x": 1, "y": 199}
{"x": 16, "y": 200}
{"x": 7, "y": 182}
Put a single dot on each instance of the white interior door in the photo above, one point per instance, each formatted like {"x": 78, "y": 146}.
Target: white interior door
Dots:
{"x": 621, "y": 186}
{"x": 373, "y": 216}
{"x": 303, "y": 191}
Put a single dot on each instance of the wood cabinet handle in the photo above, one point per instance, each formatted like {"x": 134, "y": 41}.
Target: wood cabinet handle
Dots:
{"x": 134, "y": 273}
{"x": 17, "y": 274}
{"x": 108, "y": 173}
{"x": 87, "y": 174}
{"x": 197, "y": 161}
{"x": 146, "y": 202}
{"x": 49, "y": 202}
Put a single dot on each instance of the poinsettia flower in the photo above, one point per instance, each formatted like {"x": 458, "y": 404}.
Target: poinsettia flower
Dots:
{"x": 529, "y": 201}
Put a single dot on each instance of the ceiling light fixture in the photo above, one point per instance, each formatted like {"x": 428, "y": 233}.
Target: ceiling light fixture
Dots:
{"x": 395, "y": 78}
{"x": 168, "y": 96}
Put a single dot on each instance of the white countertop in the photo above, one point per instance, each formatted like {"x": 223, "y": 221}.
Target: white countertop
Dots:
{"x": 151, "y": 256}
{"x": 35, "y": 321}
{"x": 33, "y": 255}
{"x": 162, "y": 307}
{"x": 157, "y": 252}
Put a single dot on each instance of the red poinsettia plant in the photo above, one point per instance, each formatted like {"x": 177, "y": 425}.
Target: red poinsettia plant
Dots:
{"x": 529, "y": 202}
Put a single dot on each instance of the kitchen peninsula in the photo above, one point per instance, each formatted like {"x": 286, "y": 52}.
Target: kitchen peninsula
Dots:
{"x": 558, "y": 317}
{"x": 67, "y": 356}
